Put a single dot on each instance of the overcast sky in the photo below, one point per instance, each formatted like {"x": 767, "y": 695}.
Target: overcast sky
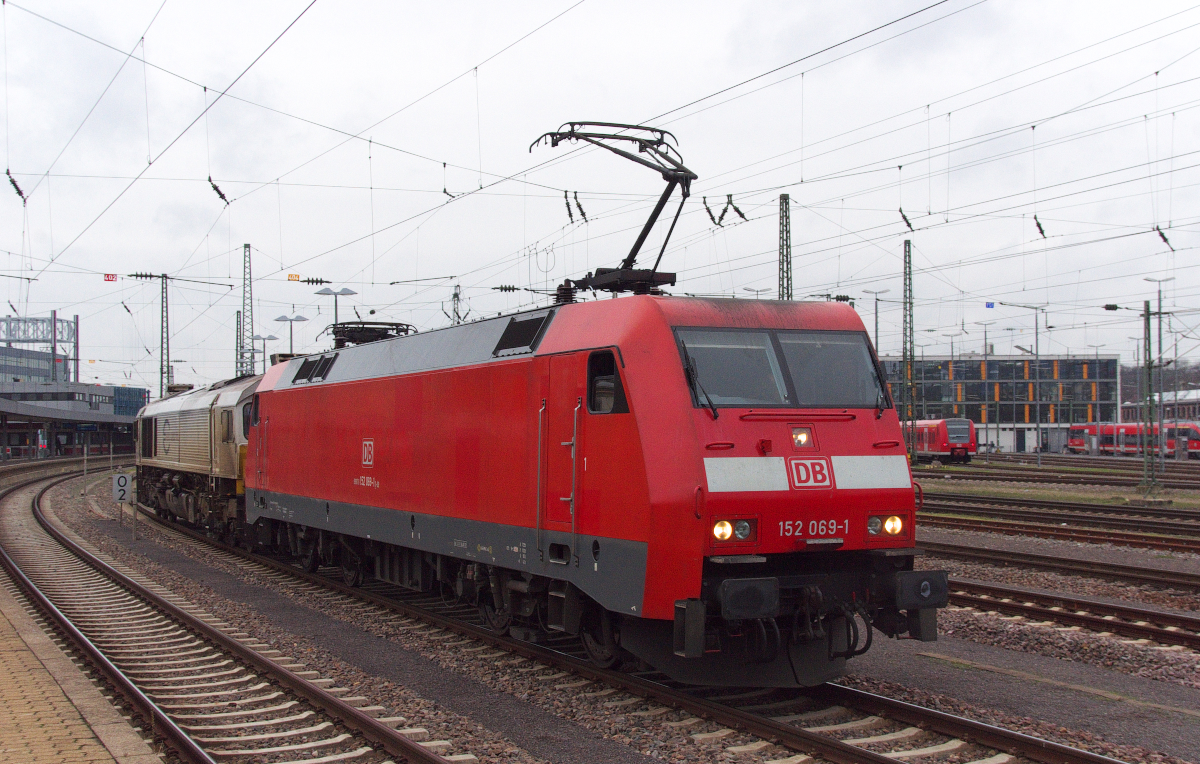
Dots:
{"x": 380, "y": 142}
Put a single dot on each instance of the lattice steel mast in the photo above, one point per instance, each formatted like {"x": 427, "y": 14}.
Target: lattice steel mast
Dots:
{"x": 909, "y": 355}
{"x": 164, "y": 363}
{"x": 785, "y": 247}
{"x": 245, "y": 357}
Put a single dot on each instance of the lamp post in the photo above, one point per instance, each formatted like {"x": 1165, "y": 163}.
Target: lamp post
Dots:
{"x": 343, "y": 292}
{"x": 875, "y": 293}
{"x": 1162, "y": 455}
{"x": 258, "y": 338}
{"x": 291, "y": 334}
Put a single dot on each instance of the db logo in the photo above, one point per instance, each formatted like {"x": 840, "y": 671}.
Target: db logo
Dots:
{"x": 368, "y": 452}
{"x": 810, "y": 473}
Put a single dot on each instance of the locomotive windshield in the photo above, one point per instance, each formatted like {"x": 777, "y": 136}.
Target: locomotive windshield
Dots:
{"x": 781, "y": 368}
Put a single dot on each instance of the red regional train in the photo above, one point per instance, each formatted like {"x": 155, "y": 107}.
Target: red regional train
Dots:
{"x": 716, "y": 487}
{"x": 1125, "y": 439}
{"x": 949, "y": 439}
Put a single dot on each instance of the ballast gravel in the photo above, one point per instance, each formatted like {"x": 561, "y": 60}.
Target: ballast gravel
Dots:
{"x": 643, "y": 726}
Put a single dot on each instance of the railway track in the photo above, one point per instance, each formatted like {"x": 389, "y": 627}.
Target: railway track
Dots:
{"x": 1170, "y": 579}
{"x": 1128, "y": 520}
{"x": 1048, "y": 531}
{"x": 1132, "y": 464}
{"x": 834, "y": 723}
{"x": 1125, "y": 510}
{"x": 209, "y": 693}
{"x": 1045, "y": 475}
{"x": 1091, "y": 531}
{"x": 1144, "y": 527}
{"x": 1135, "y": 622}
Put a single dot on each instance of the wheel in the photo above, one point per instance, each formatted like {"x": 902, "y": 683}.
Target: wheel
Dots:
{"x": 496, "y": 620}
{"x": 600, "y": 640}
{"x": 310, "y": 559}
{"x": 352, "y": 571}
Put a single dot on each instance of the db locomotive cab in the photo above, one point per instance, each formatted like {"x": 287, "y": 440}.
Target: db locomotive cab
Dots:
{"x": 809, "y": 507}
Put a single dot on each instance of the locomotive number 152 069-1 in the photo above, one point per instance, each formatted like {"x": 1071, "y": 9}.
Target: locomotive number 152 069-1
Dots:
{"x": 815, "y": 528}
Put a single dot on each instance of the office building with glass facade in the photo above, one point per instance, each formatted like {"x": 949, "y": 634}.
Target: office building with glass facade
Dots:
{"x": 1009, "y": 396}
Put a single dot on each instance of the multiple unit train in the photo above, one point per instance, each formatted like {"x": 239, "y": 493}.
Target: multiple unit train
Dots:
{"x": 718, "y": 488}
{"x": 949, "y": 439}
{"x": 1126, "y": 439}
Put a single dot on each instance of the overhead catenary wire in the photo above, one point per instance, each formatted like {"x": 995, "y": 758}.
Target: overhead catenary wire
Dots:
{"x": 186, "y": 129}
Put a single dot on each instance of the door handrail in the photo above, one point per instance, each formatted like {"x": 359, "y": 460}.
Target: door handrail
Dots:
{"x": 574, "y": 477}
{"x": 541, "y": 435}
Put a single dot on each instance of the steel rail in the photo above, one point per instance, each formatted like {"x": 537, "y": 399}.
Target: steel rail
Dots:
{"x": 1111, "y": 520}
{"x": 1127, "y": 462}
{"x": 1017, "y": 477}
{"x": 1016, "y": 743}
{"x": 1156, "y": 576}
{"x": 1139, "y": 623}
{"x": 161, "y": 725}
{"x": 1042, "y": 530}
{"x": 780, "y": 733}
{"x": 370, "y": 728}
{"x": 972, "y": 499}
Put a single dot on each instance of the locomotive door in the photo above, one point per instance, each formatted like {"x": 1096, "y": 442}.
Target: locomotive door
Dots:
{"x": 260, "y": 455}
{"x": 564, "y": 409}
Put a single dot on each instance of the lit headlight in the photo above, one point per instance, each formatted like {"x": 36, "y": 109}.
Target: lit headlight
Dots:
{"x": 893, "y": 526}
{"x": 802, "y": 437}
{"x": 741, "y": 529}
{"x": 875, "y": 525}
{"x": 723, "y": 530}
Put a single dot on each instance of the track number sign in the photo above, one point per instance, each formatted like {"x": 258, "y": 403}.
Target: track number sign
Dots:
{"x": 122, "y": 492}
{"x": 810, "y": 472}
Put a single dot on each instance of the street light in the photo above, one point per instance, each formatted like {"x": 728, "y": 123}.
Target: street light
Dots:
{"x": 343, "y": 292}
{"x": 876, "y": 294}
{"x": 291, "y": 335}
{"x": 264, "y": 350}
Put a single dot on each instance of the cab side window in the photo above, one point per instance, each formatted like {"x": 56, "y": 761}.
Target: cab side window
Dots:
{"x": 605, "y": 392}
{"x": 247, "y": 418}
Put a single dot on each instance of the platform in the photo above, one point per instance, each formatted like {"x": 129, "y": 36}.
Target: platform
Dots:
{"x": 49, "y": 710}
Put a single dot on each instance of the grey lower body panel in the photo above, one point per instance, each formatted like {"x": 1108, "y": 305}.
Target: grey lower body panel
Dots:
{"x": 610, "y": 571}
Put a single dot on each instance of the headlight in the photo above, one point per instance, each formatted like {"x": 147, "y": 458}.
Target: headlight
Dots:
{"x": 875, "y": 525}
{"x": 893, "y": 526}
{"x": 741, "y": 529}
{"x": 723, "y": 530}
{"x": 802, "y": 437}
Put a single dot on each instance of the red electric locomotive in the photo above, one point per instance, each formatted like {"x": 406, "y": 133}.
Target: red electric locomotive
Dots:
{"x": 949, "y": 439}
{"x": 717, "y": 487}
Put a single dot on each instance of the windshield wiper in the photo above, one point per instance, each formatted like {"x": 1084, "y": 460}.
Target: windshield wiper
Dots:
{"x": 693, "y": 379}
{"x": 880, "y": 403}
